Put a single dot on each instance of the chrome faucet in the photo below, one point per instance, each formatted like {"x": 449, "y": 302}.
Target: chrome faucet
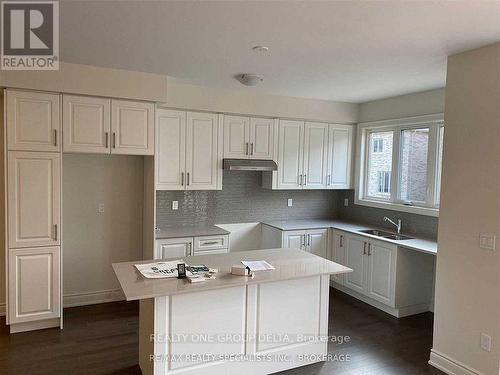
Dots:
{"x": 398, "y": 225}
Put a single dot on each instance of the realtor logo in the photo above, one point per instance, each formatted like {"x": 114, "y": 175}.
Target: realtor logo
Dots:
{"x": 30, "y": 35}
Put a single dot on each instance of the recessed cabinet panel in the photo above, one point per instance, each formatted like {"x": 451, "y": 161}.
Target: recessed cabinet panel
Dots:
{"x": 339, "y": 157}
{"x": 34, "y": 180}
{"x": 32, "y": 121}
{"x": 34, "y": 284}
{"x": 86, "y": 124}
{"x": 170, "y": 150}
{"x": 315, "y": 155}
{"x": 236, "y": 137}
{"x": 174, "y": 248}
{"x": 381, "y": 272}
{"x": 261, "y": 138}
{"x": 317, "y": 242}
{"x": 132, "y": 128}
{"x": 291, "y": 138}
{"x": 294, "y": 240}
{"x": 201, "y": 151}
{"x": 356, "y": 260}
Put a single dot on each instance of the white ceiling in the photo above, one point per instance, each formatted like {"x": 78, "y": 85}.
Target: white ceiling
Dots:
{"x": 352, "y": 51}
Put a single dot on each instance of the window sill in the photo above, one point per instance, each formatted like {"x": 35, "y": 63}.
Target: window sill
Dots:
{"x": 398, "y": 207}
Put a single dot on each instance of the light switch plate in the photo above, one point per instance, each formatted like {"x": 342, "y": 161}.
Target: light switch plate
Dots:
{"x": 346, "y": 202}
{"x": 486, "y": 342}
{"x": 487, "y": 241}
{"x": 175, "y": 205}
{"x": 290, "y": 202}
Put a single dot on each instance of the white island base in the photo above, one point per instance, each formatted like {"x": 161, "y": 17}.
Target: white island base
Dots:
{"x": 235, "y": 324}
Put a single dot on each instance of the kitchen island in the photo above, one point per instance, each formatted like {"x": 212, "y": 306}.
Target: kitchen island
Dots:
{"x": 275, "y": 321}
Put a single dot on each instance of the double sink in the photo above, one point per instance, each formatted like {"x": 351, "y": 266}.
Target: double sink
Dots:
{"x": 387, "y": 235}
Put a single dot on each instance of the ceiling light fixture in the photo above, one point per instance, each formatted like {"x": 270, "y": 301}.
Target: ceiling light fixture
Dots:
{"x": 248, "y": 79}
{"x": 260, "y": 49}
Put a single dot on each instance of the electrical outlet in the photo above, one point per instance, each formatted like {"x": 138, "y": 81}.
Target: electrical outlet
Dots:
{"x": 487, "y": 241}
{"x": 100, "y": 208}
{"x": 346, "y": 202}
{"x": 175, "y": 205}
{"x": 289, "y": 202}
{"x": 486, "y": 342}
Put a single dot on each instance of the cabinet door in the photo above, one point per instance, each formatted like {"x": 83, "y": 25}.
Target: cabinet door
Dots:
{"x": 290, "y": 145}
{"x": 132, "y": 126}
{"x": 339, "y": 157}
{"x": 355, "y": 254}
{"x": 338, "y": 254}
{"x": 34, "y": 284}
{"x": 381, "y": 272}
{"x": 32, "y": 121}
{"x": 201, "y": 151}
{"x": 86, "y": 124}
{"x": 170, "y": 150}
{"x": 236, "y": 137}
{"x": 34, "y": 201}
{"x": 294, "y": 239}
{"x": 317, "y": 242}
{"x": 174, "y": 248}
{"x": 261, "y": 138}
{"x": 315, "y": 155}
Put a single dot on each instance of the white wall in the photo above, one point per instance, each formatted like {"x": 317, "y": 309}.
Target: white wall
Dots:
{"x": 92, "y": 241}
{"x": 258, "y": 103}
{"x": 420, "y": 103}
{"x": 468, "y": 278}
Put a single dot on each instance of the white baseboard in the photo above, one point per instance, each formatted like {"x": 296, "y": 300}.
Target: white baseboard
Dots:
{"x": 449, "y": 365}
{"x": 92, "y": 298}
{"x": 3, "y": 306}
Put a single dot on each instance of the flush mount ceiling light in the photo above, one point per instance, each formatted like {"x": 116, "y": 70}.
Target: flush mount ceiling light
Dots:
{"x": 260, "y": 49}
{"x": 248, "y": 79}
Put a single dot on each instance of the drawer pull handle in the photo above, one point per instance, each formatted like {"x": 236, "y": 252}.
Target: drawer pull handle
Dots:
{"x": 107, "y": 139}
{"x": 55, "y": 137}
{"x": 55, "y": 232}
{"x": 182, "y": 178}
{"x": 210, "y": 243}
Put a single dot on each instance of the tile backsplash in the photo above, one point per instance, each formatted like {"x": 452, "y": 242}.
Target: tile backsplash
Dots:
{"x": 242, "y": 199}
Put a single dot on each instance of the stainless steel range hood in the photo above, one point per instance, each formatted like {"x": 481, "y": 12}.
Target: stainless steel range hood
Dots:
{"x": 249, "y": 165}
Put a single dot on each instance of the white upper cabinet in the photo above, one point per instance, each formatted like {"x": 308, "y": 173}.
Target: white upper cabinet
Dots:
{"x": 132, "y": 127}
{"x": 170, "y": 150}
{"x": 33, "y": 122}
{"x": 315, "y": 155}
{"x": 290, "y": 154}
{"x": 202, "y": 151}
{"x": 248, "y": 138}
{"x": 34, "y": 199}
{"x": 261, "y": 138}
{"x": 236, "y": 137}
{"x": 339, "y": 157}
{"x": 86, "y": 124}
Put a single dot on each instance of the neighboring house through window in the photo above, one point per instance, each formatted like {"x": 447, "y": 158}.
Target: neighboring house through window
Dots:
{"x": 384, "y": 182}
{"x": 378, "y": 145}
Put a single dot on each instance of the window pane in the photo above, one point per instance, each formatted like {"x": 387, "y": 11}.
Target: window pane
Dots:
{"x": 413, "y": 165}
{"x": 439, "y": 166}
{"x": 379, "y": 165}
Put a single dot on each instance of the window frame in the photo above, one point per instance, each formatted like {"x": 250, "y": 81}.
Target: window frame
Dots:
{"x": 431, "y": 206}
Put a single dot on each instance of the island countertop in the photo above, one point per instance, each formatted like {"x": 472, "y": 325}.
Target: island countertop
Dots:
{"x": 289, "y": 264}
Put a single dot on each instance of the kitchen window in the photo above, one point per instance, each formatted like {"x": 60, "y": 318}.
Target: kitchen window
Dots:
{"x": 399, "y": 166}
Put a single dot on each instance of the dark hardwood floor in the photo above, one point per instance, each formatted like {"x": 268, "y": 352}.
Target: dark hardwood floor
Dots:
{"x": 102, "y": 339}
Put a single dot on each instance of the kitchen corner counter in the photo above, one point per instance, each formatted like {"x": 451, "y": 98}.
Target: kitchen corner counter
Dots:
{"x": 189, "y": 231}
{"x": 418, "y": 244}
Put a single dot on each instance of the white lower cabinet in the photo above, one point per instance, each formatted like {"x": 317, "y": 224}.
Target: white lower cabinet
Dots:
{"x": 394, "y": 279}
{"x": 314, "y": 241}
{"x": 188, "y": 246}
{"x": 34, "y": 284}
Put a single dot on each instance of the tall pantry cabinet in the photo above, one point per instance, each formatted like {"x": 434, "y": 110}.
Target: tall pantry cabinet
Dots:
{"x": 32, "y": 162}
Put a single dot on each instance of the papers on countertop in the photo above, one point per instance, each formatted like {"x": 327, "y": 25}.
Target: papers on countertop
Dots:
{"x": 160, "y": 270}
{"x": 257, "y": 265}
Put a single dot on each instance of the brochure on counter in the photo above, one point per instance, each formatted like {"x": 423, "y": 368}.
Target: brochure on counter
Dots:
{"x": 168, "y": 269}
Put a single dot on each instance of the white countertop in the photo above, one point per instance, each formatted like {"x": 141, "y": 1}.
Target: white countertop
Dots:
{"x": 289, "y": 264}
{"x": 189, "y": 231}
{"x": 419, "y": 244}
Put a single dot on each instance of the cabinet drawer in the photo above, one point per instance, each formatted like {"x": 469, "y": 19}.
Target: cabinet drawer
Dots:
{"x": 211, "y": 242}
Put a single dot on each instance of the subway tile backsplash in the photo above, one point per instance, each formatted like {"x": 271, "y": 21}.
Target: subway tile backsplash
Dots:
{"x": 242, "y": 199}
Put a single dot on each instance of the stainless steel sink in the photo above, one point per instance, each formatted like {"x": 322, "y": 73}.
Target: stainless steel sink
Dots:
{"x": 388, "y": 235}
{"x": 398, "y": 237}
{"x": 375, "y": 232}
